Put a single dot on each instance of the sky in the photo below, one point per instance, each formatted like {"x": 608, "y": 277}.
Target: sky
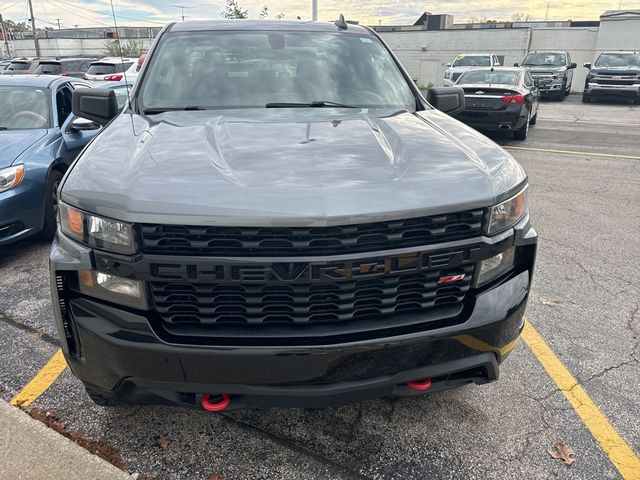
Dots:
{"x": 85, "y": 13}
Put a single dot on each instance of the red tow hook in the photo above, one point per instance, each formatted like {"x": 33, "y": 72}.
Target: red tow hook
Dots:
{"x": 217, "y": 406}
{"x": 419, "y": 385}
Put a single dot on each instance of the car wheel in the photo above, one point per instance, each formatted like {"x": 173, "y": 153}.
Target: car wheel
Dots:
{"x": 534, "y": 119}
{"x": 586, "y": 98}
{"x": 521, "y": 133}
{"x": 51, "y": 205}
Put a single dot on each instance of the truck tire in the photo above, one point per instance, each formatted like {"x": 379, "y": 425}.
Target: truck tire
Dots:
{"x": 51, "y": 205}
{"x": 586, "y": 98}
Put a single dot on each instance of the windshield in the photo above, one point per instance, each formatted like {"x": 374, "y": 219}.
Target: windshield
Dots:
{"x": 507, "y": 77}
{"x": 541, "y": 59}
{"x": 618, "y": 60}
{"x": 19, "y": 66}
{"x": 48, "y": 68}
{"x": 258, "y": 69}
{"x": 472, "y": 61}
{"x": 108, "y": 68}
{"x": 23, "y": 108}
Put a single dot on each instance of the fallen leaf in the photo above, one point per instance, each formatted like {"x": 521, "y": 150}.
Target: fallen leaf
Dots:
{"x": 214, "y": 476}
{"x": 574, "y": 302}
{"x": 164, "y": 442}
{"x": 562, "y": 452}
{"x": 548, "y": 303}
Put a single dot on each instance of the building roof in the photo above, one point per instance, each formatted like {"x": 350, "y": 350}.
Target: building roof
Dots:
{"x": 620, "y": 13}
{"x": 261, "y": 25}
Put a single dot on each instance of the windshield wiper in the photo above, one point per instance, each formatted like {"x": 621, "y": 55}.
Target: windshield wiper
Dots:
{"x": 314, "y": 104}
{"x": 152, "y": 111}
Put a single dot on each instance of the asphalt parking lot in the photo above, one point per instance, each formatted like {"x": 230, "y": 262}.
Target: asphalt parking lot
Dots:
{"x": 584, "y": 168}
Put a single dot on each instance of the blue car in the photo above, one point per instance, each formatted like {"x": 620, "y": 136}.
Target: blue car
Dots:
{"x": 39, "y": 138}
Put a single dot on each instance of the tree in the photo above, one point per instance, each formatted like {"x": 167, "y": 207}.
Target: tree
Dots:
{"x": 12, "y": 26}
{"x": 133, "y": 48}
{"x": 280, "y": 16}
{"x": 264, "y": 13}
{"x": 233, "y": 10}
{"x": 520, "y": 17}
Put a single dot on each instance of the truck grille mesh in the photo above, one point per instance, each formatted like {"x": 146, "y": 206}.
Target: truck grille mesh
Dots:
{"x": 286, "y": 241}
{"x": 302, "y": 303}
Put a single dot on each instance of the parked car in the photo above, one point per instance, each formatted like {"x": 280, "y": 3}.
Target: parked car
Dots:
{"x": 67, "y": 67}
{"x": 295, "y": 225}
{"x": 109, "y": 69}
{"x": 553, "y": 71}
{"x": 39, "y": 139}
{"x": 464, "y": 62}
{"x": 22, "y": 66}
{"x": 121, "y": 89}
{"x": 613, "y": 74}
{"x": 503, "y": 98}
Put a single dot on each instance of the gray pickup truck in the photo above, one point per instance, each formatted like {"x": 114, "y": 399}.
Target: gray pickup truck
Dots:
{"x": 278, "y": 217}
{"x": 552, "y": 71}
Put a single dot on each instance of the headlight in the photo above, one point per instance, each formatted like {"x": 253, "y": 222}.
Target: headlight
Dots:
{"x": 507, "y": 214}
{"x": 447, "y": 74}
{"x": 124, "y": 291}
{"x": 99, "y": 232}
{"x": 559, "y": 76}
{"x": 11, "y": 177}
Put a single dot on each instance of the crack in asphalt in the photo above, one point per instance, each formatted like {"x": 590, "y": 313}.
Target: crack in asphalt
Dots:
{"x": 29, "y": 329}
{"x": 350, "y": 473}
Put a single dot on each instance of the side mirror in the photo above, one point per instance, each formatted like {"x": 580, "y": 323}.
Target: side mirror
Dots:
{"x": 80, "y": 124}
{"x": 586, "y": 65}
{"x": 449, "y": 100}
{"x": 573, "y": 65}
{"x": 516, "y": 64}
{"x": 97, "y": 104}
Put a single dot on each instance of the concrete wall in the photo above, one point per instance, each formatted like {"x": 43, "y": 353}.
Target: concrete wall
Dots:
{"x": 53, "y": 47}
{"x": 425, "y": 54}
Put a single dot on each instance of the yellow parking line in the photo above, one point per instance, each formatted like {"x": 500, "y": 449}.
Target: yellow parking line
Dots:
{"x": 614, "y": 446}
{"x": 42, "y": 381}
{"x": 571, "y": 152}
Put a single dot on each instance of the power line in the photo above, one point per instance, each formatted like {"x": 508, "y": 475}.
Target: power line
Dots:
{"x": 10, "y": 6}
{"x": 109, "y": 15}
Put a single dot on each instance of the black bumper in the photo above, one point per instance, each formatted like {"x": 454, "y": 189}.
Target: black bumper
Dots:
{"x": 118, "y": 352}
{"x": 512, "y": 118}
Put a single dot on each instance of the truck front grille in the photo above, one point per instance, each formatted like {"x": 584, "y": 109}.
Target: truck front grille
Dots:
{"x": 303, "y": 303}
{"x": 292, "y": 241}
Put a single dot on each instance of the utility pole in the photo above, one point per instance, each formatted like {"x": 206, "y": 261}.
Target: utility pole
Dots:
{"x": 58, "y": 20}
{"x": 182, "y": 7}
{"x": 546, "y": 13}
{"x": 33, "y": 29}
{"x": 4, "y": 35}
{"x": 314, "y": 10}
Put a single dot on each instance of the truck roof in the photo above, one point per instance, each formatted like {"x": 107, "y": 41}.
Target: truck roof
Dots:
{"x": 261, "y": 25}
{"x": 38, "y": 81}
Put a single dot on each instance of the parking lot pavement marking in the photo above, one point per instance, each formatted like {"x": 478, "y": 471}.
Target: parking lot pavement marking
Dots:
{"x": 614, "y": 446}
{"x": 42, "y": 381}
{"x": 571, "y": 152}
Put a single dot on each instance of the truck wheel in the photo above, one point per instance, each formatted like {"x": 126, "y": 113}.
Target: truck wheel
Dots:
{"x": 567, "y": 90}
{"x": 51, "y": 205}
{"x": 586, "y": 98}
{"x": 636, "y": 101}
{"x": 521, "y": 133}
{"x": 534, "y": 119}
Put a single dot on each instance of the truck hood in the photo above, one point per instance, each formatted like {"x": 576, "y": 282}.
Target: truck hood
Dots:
{"x": 14, "y": 142}
{"x": 546, "y": 69}
{"x": 615, "y": 70}
{"x": 288, "y": 167}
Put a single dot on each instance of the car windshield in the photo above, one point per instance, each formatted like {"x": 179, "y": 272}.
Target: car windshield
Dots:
{"x": 48, "y": 68}
{"x": 472, "y": 61}
{"x": 540, "y": 59}
{"x": 501, "y": 77}
{"x": 19, "y": 66}
{"x": 269, "y": 69}
{"x": 618, "y": 60}
{"x": 23, "y": 108}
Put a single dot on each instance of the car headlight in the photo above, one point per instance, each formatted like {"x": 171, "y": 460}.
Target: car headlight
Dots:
{"x": 559, "y": 76}
{"x": 495, "y": 266}
{"x": 447, "y": 74}
{"x": 124, "y": 291}
{"x": 11, "y": 177}
{"x": 508, "y": 213}
{"x": 99, "y": 232}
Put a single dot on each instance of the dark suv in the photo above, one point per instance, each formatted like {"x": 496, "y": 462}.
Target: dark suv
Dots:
{"x": 614, "y": 74}
{"x": 278, "y": 217}
{"x": 67, "y": 67}
{"x": 552, "y": 71}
